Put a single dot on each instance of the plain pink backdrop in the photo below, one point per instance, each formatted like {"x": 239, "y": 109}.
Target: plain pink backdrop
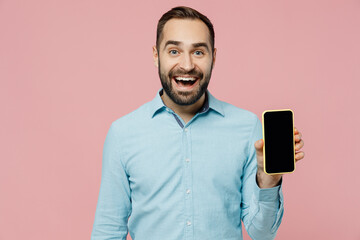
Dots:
{"x": 70, "y": 68}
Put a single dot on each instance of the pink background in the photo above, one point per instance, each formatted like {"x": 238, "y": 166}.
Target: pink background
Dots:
{"x": 70, "y": 68}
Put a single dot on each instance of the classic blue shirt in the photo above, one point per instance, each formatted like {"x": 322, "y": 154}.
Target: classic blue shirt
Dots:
{"x": 163, "y": 179}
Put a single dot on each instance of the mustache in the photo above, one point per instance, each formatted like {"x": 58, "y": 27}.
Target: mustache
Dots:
{"x": 193, "y": 73}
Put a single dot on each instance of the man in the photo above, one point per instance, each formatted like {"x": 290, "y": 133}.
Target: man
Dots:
{"x": 186, "y": 165}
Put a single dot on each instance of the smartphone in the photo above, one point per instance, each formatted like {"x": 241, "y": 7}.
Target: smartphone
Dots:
{"x": 279, "y": 144}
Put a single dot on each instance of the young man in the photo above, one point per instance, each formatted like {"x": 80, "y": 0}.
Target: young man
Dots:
{"x": 186, "y": 165}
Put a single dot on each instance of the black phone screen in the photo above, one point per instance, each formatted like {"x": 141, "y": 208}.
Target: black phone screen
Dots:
{"x": 279, "y": 141}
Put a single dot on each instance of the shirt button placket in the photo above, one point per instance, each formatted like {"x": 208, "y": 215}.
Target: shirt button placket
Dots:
{"x": 189, "y": 232}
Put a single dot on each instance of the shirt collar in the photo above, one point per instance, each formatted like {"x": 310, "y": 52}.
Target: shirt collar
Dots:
{"x": 157, "y": 105}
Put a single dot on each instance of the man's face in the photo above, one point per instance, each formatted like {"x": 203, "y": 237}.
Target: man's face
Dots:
{"x": 184, "y": 60}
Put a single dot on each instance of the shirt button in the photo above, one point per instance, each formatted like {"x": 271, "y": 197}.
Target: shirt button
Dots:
{"x": 186, "y": 129}
{"x": 188, "y": 191}
{"x": 188, "y": 223}
{"x": 187, "y": 160}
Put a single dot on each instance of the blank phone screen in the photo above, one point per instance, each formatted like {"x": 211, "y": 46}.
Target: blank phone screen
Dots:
{"x": 279, "y": 141}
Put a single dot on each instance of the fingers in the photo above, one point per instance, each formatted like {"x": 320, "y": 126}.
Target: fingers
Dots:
{"x": 299, "y": 156}
{"x": 297, "y": 134}
{"x": 259, "y": 144}
{"x": 298, "y": 137}
{"x": 299, "y": 145}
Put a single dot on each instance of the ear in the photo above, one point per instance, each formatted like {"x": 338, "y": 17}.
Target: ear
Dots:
{"x": 155, "y": 56}
{"x": 214, "y": 57}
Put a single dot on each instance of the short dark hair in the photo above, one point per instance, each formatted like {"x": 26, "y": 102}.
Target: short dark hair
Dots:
{"x": 182, "y": 12}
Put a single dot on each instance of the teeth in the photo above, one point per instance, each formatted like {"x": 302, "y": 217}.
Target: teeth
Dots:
{"x": 185, "y": 79}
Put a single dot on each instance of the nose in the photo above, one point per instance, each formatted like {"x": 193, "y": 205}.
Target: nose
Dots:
{"x": 186, "y": 62}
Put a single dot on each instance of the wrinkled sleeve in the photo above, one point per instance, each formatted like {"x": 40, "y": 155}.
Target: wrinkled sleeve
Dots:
{"x": 262, "y": 209}
{"x": 114, "y": 206}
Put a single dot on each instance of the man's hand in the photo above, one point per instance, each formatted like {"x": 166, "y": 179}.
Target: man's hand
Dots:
{"x": 269, "y": 181}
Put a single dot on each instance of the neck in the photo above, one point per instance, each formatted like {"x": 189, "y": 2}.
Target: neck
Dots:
{"x": 182, "y": 110}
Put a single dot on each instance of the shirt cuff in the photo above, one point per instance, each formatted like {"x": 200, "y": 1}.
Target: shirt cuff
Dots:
{"x": 268, "y": 194}
{"x": 272, "y": 196}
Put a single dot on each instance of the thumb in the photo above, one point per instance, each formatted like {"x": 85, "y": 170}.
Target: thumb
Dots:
{"x": 259, "y": 145}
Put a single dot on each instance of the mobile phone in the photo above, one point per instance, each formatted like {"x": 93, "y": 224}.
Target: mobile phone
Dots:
{"x": 279, "y": 144}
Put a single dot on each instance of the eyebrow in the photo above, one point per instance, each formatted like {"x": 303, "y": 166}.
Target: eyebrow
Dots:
{"x": 195, "y": 45}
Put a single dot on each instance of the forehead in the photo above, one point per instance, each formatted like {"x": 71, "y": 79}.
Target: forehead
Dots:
{"x": 187, "y": 31}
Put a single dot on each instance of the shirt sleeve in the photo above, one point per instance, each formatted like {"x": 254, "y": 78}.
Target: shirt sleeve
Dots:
{"x": 262, "y": 209}
{"x": 114, "y": 202}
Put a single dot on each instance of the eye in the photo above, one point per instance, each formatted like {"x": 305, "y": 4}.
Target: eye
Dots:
{"x": 173, "y": 52}
{"x": 198, "y": 53}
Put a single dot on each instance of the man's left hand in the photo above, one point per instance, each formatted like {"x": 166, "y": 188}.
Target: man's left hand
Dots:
{"x": 268, "y": 181}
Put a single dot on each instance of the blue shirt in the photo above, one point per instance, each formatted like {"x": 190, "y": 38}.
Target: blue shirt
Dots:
{"x": 163, "y": 179}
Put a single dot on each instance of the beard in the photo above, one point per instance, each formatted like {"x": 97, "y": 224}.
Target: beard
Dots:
{"x": 185, "y": 97}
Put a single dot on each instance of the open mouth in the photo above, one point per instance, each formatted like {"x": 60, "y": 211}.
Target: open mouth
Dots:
{"x": 185, "y": 82}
